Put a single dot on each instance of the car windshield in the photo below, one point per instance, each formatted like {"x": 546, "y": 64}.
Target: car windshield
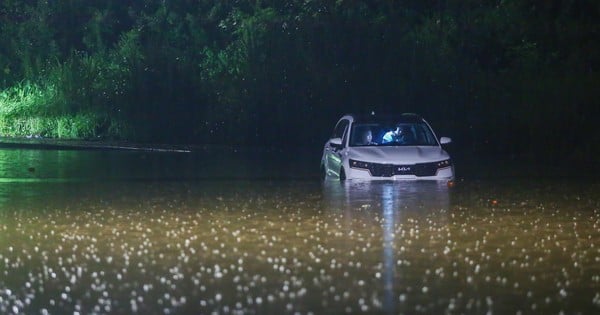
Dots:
{"x": 401, "y": 134}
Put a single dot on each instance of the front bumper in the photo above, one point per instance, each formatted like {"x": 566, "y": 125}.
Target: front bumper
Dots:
{"x": 421, "y": 171}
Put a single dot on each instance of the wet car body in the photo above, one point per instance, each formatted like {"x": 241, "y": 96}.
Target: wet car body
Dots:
{"x": 400, "y": 147}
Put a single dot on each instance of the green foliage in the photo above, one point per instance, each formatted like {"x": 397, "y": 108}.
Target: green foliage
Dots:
{"x": 26, "y": 98}
{"x": 30, "y": 109}
{"x": 219, "y": 70}
{"x": 230, "y": 61}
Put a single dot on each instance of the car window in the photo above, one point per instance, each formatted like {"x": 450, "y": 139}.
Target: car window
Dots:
{"x": 424, "y": 135}
{"x": 345, "y": 137}
{"x": 365, "y": 134}
{"x": 372, "y": 134}
{"x": 338, "y": 131}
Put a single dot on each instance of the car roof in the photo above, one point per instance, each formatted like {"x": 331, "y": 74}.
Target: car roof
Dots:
{"x": 387, "y": 118}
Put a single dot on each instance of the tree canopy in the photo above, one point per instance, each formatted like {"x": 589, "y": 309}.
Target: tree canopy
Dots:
{"x": 243, "y": 71}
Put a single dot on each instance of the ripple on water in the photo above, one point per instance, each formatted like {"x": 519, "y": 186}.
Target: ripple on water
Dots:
{"x": 174, "y": 248}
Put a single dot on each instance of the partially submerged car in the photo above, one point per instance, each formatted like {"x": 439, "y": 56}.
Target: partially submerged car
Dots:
{"x": 401, "y": 147}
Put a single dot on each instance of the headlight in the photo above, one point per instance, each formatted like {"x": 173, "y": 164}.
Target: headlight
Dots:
{"x": 359, "y": 164}
{"x": 444, "y": 163}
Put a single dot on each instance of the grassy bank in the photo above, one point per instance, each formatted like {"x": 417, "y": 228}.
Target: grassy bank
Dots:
{"x": 41, "y": 110}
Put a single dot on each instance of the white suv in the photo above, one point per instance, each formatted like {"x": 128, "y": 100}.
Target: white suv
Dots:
{"x": 396, "y": 147}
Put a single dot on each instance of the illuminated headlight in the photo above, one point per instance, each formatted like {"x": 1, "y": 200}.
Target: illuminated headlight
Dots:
{"x": 359, "y": 164}
{"x": 442, "y": 164}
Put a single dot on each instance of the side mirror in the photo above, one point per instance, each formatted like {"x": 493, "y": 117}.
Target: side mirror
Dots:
{"x": 336, "y": 142}
{"x": 445, "y": 140}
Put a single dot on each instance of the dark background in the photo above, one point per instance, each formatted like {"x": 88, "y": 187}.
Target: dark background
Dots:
{"x": 516, "y": 79}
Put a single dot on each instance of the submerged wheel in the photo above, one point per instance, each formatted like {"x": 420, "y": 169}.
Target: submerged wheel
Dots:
{"x": 323, "y": 173}
{"x": 342, "y": 174}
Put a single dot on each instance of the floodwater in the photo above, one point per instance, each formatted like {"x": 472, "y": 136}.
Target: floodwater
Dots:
{"x": 228, "y": 232}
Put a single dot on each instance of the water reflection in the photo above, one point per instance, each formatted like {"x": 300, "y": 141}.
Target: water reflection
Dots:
{"x": 389, "y": 203}
{"x": 26, "y": 166}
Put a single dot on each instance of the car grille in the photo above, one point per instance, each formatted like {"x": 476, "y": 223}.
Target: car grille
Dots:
{"x": 389, "y": 170}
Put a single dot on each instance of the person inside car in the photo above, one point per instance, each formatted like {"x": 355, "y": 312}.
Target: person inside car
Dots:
{"x": 367, "y": 138}
{"x": 392, "y": 135}
{"x": 401, "y": 135}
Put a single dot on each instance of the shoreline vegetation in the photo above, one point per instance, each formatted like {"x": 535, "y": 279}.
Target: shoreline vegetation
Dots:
{"x": 511, "y": 78}
{"x": 47, "y": 108}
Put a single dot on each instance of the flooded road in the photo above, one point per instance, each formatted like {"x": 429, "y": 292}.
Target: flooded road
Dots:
{"x": 97, "y": 232}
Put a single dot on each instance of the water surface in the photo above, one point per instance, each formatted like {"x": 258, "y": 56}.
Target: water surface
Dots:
{"x": 97, "y": 232}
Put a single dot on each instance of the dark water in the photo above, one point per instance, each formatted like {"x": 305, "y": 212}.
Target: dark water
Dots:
{"x": 227, "y": 232}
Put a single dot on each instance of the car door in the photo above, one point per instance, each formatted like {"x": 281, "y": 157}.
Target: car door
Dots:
{"x": 332, "y": 151}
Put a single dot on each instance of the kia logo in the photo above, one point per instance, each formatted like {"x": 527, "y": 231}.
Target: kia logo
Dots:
{"x": 404, "y": 169}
